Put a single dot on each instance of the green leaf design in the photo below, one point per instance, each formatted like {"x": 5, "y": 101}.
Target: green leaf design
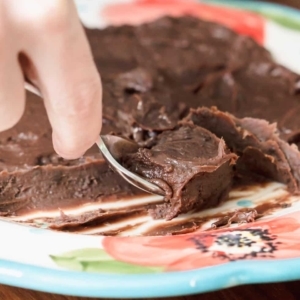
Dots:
{"x": 88, "y": 254}
{"x": 277, "y": 15}
{"x": 118, "y": 267}
{"x": 283, "y": 20}
{"x": 97, "y": 260}
{"x": 68, "y": 263}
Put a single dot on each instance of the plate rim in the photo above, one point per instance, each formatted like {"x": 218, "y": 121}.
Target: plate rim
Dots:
{"x": 74, "y": 283}
{"x": 179, "y": 283}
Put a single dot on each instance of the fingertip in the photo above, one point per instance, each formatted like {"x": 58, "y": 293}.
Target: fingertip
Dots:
{"x": 70, "y": 148}
{"x": 9, "y": 119}
{"x": 12, "y": 107}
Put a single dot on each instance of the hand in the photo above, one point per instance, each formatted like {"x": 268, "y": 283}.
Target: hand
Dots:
{"x": 44, "y": 40}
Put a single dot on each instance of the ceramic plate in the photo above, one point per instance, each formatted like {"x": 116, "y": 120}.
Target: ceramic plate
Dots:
{"x": 134, "y": 265}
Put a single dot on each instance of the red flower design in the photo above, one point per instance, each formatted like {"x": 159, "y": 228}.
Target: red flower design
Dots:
{"x": 139, "y": 11}
{"x": 276, "y": 238}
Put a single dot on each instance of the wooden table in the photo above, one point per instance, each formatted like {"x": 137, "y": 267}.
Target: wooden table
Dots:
{"x": 278, "y": 291}
{"x": 293, "y": 3}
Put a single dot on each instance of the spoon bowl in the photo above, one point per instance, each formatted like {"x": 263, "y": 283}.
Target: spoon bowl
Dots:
{"x": 112, "y": 148}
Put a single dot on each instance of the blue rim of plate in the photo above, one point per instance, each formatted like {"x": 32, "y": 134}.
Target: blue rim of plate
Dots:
{"x": 147, "y": 286}
{"x": 156, "y": 285}
{"x": 275, "y": 10}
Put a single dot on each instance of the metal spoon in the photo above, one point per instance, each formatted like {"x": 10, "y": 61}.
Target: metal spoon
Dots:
{"x": 112, "y": 147}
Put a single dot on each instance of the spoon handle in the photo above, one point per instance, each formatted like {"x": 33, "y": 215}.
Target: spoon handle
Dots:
{"x": 33, "y": 89}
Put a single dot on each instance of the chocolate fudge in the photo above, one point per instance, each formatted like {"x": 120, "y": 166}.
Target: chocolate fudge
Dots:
{"x": 152, "y": 75}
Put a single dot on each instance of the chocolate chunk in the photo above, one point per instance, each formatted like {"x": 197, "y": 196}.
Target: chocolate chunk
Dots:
{"x": 257, "y": 143}
{"x": 134, "y": 81}
{"x": 154, "y": 116}
{"x": 239, "y": 216}
{"x": 191, "y": 164}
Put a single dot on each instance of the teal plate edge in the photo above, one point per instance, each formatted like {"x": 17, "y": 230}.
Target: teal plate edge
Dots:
{"x": 145, "y": 286}
{"x": 202, "y": 280}
{"x": 284, "y": 15}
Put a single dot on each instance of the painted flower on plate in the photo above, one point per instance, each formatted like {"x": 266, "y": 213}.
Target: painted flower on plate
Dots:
{"x": 139, "y": 11}
{"x": 277, "y": 238}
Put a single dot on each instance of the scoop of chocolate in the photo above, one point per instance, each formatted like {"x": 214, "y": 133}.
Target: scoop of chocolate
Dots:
{"x": 191, "y": 164}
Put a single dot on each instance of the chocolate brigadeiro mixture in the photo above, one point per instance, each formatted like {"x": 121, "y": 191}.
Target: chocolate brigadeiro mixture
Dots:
{"x": 162, "y": 82}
